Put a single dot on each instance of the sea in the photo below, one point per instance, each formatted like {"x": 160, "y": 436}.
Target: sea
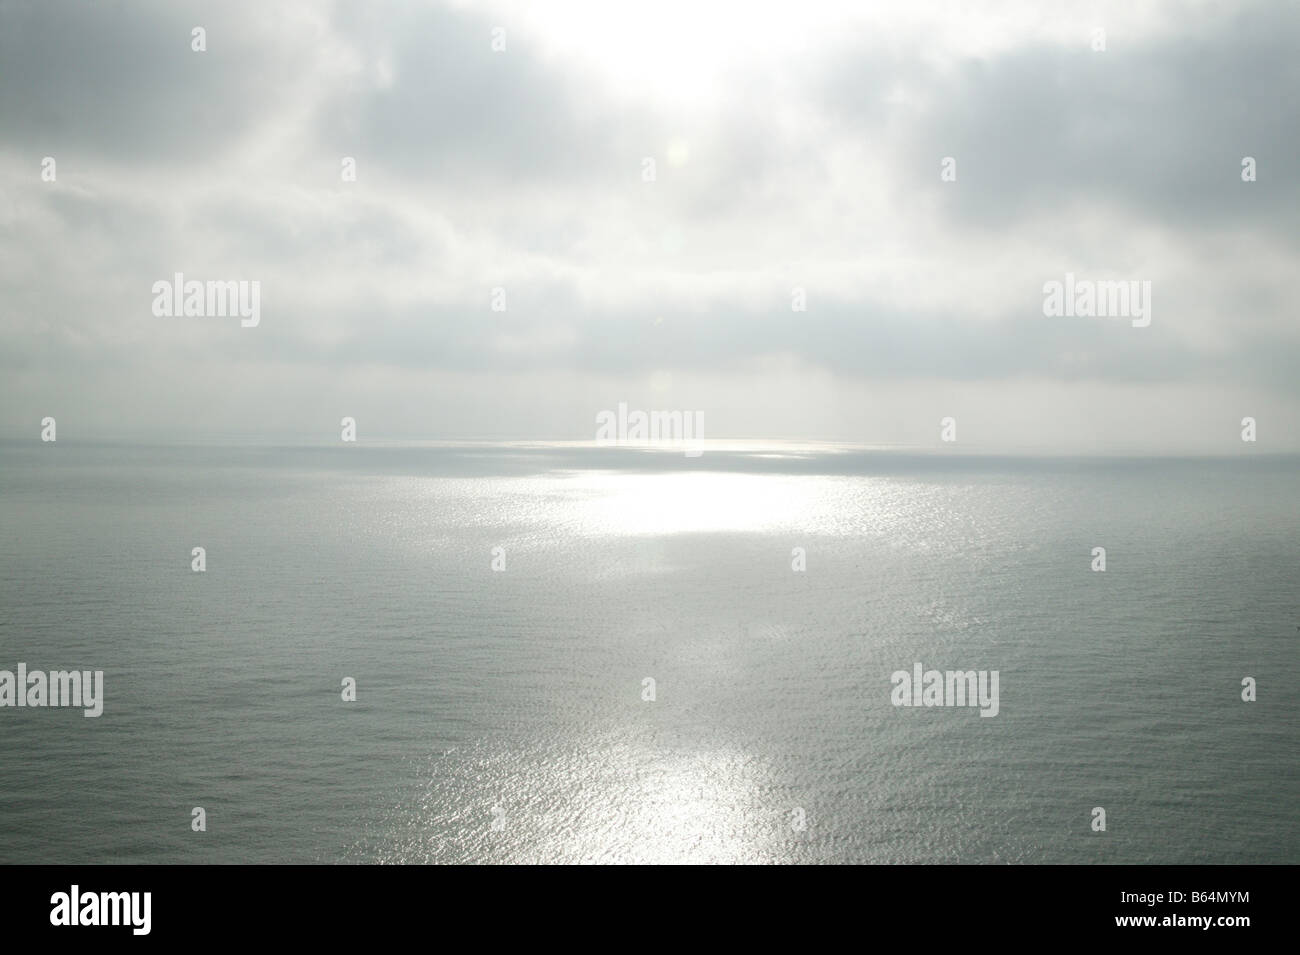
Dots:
{"x": 508, "y": 652}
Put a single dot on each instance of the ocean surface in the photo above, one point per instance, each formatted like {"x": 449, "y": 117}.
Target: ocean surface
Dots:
{"x": 499, "y": 714}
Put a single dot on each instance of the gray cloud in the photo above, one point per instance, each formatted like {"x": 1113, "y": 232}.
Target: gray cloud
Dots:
{"x": 95, "y": 81}
{"x": 523, "y": 170}
{"x": 1157, "y": 126}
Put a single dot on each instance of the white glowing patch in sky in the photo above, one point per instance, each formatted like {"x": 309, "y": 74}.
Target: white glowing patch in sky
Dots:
{"x": 682, "y": 51}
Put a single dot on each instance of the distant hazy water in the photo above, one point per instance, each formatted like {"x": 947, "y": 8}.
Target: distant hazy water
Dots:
{"x": 522, "y": 689}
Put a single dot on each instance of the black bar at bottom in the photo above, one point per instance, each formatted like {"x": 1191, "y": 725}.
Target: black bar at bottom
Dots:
{"x": 944, "y": 904}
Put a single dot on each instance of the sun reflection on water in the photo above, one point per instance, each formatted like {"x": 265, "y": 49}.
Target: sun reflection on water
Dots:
{"x": 616, "y": 803}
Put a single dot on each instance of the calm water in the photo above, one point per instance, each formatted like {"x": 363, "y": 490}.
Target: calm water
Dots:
{"x": 521, "y": 691}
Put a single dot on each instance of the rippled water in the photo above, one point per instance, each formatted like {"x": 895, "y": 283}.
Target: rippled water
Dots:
{"x": 500, "y": 714}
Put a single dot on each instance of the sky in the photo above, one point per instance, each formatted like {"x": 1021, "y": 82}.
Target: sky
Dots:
{"x": 502, "y": 158}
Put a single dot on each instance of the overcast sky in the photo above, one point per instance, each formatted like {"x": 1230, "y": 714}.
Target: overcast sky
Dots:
{"x": 795, "y": 145}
